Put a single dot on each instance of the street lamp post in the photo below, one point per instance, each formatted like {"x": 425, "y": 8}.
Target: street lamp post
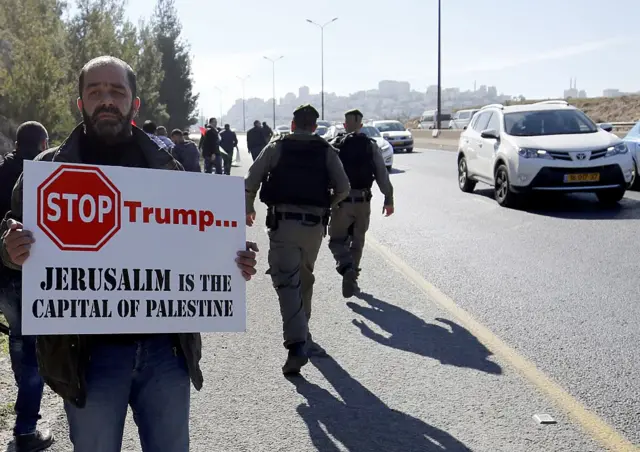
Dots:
{"x": 244, "y": 115}
{"x": 273, "y": 63}
{"x": 322, "y": 57}
{"x": 220, "y": 91}
{"x": 438, "y": 123}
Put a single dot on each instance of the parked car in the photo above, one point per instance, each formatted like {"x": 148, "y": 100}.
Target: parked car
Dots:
{"x": 462, "y": 118}
{"x": 395, "y": 133}
{"x": 333, "y": 132}
{"x": 321, "y": 131}
{"x": 385, "y": 147}
{"x": 632, "y": 140}
{"x": 282, "y": 130}
{"x": 548, "y": 146}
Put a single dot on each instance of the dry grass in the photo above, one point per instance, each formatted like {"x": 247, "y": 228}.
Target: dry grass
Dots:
{"x": 600, "y": 109}
{"x": 4, "y": 340}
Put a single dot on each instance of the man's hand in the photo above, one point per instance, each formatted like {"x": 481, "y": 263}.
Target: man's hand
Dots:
{"x": 246, "y": 261}
{"x": 387, "y": 210}
{"x": 18, "y": 242}
{"x": 251, "y": 218}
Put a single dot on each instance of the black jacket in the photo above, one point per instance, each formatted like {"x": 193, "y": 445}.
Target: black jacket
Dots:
{"x": 228, "y": 140}
{"x": 62, "y": 359}
{"x": 211, "y": 143}
{"x": 256, "y": 138}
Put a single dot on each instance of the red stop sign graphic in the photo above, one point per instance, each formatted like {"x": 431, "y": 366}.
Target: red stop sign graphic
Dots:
{"x": 79, "y": 208}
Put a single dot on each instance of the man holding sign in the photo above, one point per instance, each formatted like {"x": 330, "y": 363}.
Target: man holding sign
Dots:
{"x": 98, "y": 376}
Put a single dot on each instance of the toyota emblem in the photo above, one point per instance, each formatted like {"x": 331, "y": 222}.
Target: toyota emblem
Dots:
{"x": 581, "y": 156}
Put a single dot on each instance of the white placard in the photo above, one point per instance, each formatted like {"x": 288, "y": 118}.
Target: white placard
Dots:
{"x": 129, "y": 250}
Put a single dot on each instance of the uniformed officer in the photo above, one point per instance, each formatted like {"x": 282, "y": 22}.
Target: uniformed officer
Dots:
{"x": 302, "y": 178}
{"x": 363, "y": 164}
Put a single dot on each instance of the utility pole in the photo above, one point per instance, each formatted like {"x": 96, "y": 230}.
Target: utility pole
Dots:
{"x": 438, "y": 123}
{"x": 322, "y": 57}
{"x": 244, "y": 115}
{"x": 273, "y": 63}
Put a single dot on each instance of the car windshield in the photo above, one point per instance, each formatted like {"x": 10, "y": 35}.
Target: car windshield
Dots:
{"x": 635, "y": 132}
{"x": 390, "y": 127}
{"x": 371, "y": 132}
{"x": 547, "y": 122}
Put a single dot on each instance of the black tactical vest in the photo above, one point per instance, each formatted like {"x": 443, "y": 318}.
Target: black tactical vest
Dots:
{"x": 301, "y": 176}
{"x": 357, "y": 159}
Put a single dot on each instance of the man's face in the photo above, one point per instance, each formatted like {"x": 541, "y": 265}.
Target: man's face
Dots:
{"x": 352, "y": 123}
{"x": 213, "y": 123}
{"x": 107, "y": 104}
{"x": 176, "y": 139}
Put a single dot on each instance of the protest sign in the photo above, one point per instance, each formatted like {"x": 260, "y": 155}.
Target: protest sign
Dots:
{"x": 130, "y": 250}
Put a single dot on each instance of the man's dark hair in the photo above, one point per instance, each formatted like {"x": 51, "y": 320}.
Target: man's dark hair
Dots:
{"x": 106, "y": 60}
{"x": 305, "y": 117}
{"x": 256, "y": 122}
{"x": 176, "y": 132}
{"x": 211, "y": 119}
{"x": 30, "y": 135}
{"x": 227, "y": 126}
{"x": 149, "y": 126}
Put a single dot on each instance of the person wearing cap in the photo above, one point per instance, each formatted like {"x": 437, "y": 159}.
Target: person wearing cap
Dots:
{"x": 31, "y": 140}
{"x": 303, "y": 178}
{"x": 363, "y": 164}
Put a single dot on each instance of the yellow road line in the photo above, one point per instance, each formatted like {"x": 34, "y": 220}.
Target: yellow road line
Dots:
{"x": 593, "y": 424}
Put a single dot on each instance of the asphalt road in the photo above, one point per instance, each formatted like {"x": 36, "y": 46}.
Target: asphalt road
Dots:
{"x": 558, "y": 286}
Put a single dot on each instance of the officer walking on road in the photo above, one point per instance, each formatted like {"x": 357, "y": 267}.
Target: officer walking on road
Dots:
{"x": 299, "y": 171}
{"x": 363, "y": 164}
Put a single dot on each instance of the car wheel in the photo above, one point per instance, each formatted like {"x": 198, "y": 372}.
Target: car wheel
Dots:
{"x": 610, "y": 196}
{"x": 635, "y": 182}
{"x": 503, "y": 193}
{"x": 409, "y": 150}
{"x": 389, "y": 168}
{"x": 466, "y": 185}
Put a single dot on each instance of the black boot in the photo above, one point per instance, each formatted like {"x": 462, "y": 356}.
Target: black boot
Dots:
{"x": 349, "y": 283}
{"x": 296, "y": 359}
{"x": 34, "y": 442}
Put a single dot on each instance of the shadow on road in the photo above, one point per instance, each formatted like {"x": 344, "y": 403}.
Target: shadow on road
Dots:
{"x": 454, "y": 346}
{"x": 583, "y": 206}
{"x": 361, "y": 422}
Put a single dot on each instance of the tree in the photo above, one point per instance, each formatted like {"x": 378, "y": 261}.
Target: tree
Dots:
{"x": 148, "y": 67}
{"x": 33, "y": 84}
{"x": 99, "y": 28}
{"x": 176, "y": 89}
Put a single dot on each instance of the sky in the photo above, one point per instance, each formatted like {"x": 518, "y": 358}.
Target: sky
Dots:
{"x": 522, "y": 47}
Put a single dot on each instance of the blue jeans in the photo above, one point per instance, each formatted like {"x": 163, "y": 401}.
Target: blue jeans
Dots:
{"x": 22, "y": 352}
{"x": 151, "y": 376}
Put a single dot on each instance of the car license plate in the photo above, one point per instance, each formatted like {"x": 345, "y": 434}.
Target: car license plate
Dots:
{"x": 398, "y": 143}
{"x": 583, "y": 177}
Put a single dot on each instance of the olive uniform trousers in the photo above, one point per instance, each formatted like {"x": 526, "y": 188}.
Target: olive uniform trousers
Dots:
{"x": 347, "y": 229}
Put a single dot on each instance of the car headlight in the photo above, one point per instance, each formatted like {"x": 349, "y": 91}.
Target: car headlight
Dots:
{"x": 532, "y": 153}
{"x": 620, "y": 148}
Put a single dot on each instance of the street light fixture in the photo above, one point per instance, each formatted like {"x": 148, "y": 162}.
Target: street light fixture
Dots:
{"x": 220, "y": 91}
{"x": 244, "y": 116}
{"x": 273, "y": 63}
{"x": 322, "y": 56}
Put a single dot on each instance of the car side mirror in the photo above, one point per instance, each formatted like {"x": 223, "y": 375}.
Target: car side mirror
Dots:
{"x": 608, "y": 127}
{"x": 464, "y": 128}
{"x": 490, "y": 134}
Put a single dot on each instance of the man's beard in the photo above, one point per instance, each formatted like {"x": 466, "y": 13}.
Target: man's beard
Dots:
{"x": 109, "y": 130}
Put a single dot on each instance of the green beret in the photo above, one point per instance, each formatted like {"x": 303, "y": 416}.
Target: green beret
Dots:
{"x": 306, "y": 110}
{"x": 354, "y": 112}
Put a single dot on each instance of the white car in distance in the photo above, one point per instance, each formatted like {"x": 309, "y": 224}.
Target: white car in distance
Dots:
{"x": 386, "y": 150}
{"x": 548, "y": 146}
{"x": 395, "y": 133}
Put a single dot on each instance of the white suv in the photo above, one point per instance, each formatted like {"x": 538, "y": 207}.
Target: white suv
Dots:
{"x": 546, "y": 146}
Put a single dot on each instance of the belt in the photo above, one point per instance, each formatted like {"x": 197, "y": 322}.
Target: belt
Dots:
{"x": 303, "y": 217}
{"x": 355, "y": 199}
